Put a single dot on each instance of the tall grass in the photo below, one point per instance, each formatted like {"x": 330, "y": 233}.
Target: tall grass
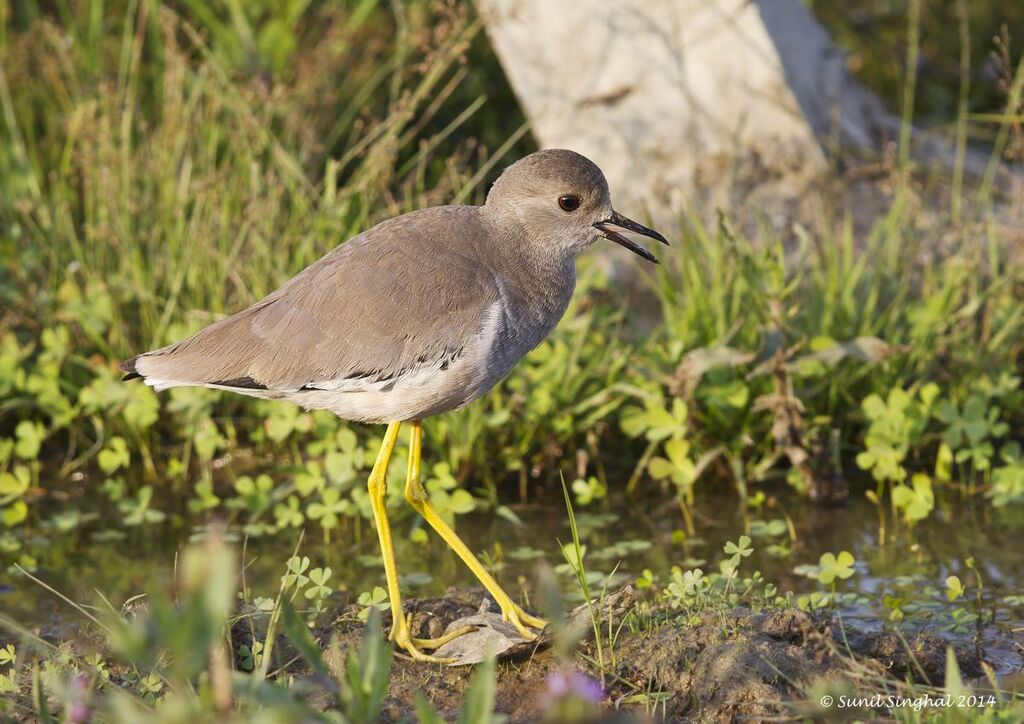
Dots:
{"x": 172, "y": 185}
{"x": 910, "y": 79}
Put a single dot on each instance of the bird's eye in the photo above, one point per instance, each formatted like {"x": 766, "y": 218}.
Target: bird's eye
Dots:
{"x": 569, "y": 202}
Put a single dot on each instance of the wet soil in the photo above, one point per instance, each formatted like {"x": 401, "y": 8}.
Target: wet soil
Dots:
{"x": 722, "y": 666}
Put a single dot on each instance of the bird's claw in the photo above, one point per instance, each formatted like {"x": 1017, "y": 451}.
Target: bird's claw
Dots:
{"x": 414, "y": 646}
{"x": 515, "y": 615}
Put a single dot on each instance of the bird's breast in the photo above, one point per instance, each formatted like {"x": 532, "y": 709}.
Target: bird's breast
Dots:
{"x": 522, "y": 318}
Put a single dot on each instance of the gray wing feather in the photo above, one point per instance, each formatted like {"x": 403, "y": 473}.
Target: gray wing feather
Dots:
{"x": 404, "y": 294}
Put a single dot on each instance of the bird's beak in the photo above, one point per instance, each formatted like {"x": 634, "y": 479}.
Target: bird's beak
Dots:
{"x": 617, "y": 219}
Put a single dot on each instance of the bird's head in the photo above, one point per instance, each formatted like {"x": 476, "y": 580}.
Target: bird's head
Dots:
{"x": 560, "y": 200}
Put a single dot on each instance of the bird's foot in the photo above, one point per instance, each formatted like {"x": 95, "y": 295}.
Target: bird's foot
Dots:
{"x": 414, "y": 646}
{"x": 515, "y": 615}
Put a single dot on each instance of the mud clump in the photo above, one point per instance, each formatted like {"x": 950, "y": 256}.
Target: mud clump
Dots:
{"x": 735, "y": 664}
{"x": 922, "y": 657}
{"x": 747, "y": 665}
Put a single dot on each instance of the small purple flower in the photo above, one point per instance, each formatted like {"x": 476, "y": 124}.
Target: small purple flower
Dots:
{"x": 78, "y": 710}
{"x": 573, "y": 683}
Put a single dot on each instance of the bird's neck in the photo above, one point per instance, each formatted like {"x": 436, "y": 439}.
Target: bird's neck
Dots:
{"x": 539, "y": 272}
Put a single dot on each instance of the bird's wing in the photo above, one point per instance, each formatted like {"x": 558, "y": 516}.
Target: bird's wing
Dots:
{"x": 407, "y": 294}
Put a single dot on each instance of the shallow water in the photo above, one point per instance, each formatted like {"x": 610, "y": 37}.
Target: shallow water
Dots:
{"x": 621, "y": 535}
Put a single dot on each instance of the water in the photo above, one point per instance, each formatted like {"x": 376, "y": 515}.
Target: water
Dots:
{"x": 624, "y": 535}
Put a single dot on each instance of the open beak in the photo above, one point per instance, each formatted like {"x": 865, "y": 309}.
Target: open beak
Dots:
{"x": 617, "y": 219}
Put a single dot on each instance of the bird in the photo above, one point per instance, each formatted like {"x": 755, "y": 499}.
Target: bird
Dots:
{"x": 418, "y": 315}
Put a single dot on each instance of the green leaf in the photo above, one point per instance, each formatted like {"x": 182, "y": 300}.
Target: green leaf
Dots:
{"x": 768, "y": 529}
{"x": 865, "y": 460}
{"x": 916, "y": 500}
{"x": 367, "y": 673}
{"x": 29, "y": 435}
{"x": 425, "y": 713}
{"x": 288, "y": 514}
{"x": 953, "y": 685}
{"x": 376, "y": 600}
{"x": 321, "y": 576}
{"x": 281, "y": 422}
{"x": 478, "y": 708}
{"x": 833, "y": 567}
{"x": 659, "y": 468}
{"x": 302, "y": 639}
{"x": 309, "y": 480}
{"x": 39, "y": 699}
{"x": 954, "y": 588}
{"x": 678, "y": 451}
{"x": 296, "y": 566}
{"x": 205, "y": 498}
{"x": 14, "y": 513}
{"x": 944, "y": 463}
{"x": 589, "y": 490}
{"x": 740, "y": 547}
{"x": 115, "y": 456}
{"x": 929, "y": 393}
{"x": 16, "y": 483}
{"x": 442, "y": 478}
{"x": 207, "y": 439}
{"x": 873, "y": 406}
{"x": 143, "y": 407}
{"x": 461, "y": 502}
{"x": 573, "y": 556}
{"x": 633, "y": 421}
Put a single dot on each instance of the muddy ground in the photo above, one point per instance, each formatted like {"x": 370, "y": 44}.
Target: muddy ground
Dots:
{"x": 736, "y": 665}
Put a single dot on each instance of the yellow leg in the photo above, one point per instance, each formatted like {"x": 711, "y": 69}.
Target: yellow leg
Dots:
{"x": 420, "y": 501}
{"x": 378, "y": 488}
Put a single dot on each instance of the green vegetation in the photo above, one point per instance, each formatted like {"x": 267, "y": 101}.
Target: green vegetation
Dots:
{"x": 162, "y": 165}
{"x": 171, "y": 661}
{"x": 967, "y": 51}
{"x": 207, "y": 651}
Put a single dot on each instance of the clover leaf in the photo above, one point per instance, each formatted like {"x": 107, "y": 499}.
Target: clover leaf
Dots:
{"x": 832, "y": 567}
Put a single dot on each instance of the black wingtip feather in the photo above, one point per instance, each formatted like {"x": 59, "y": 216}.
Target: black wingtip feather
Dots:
{"x": 128, "y": 367}
{"x": 244, "y": 383}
